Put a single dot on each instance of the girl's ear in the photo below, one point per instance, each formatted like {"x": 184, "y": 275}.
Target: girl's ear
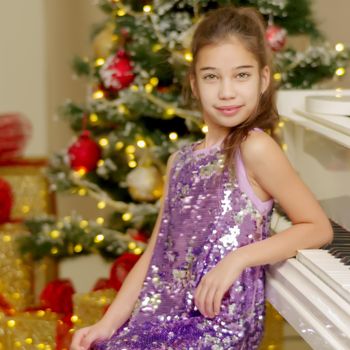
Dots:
{"x": 265, "y": 78}
{"x": 193, "y": 86}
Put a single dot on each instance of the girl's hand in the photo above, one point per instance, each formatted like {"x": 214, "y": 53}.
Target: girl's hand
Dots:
{"x": 214, "y": 285}
{"x": 84, "y": 337}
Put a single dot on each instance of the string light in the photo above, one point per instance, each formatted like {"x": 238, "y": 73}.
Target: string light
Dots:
{"x": 122, "y": 109}
{"x": 99, "y": 62}
{"x": 101, "y": 205}
{"x": 82, "y": 192}
{"x": 121, "y": 12}
{"x": 132, "y": 245}
{"x": 6, "y": 238}
{"x": 147, "y": 8}
{"x": 148, "y": 88}
{"x": 340, "y": 71}
{"x": 127, "y": 216}
{"x": 156, "y": 47}
{"x": 284, "y": 147}
{"x": 173, "y": 136}
{"x": 78, "y": 248}
{"x": 98, "y": 94}
{"x": 138, "y": 251}
{"x": 339, "y": 47}
{"x": 130, "y": 149}
{"x": 205, "y": 129}
{"x": 132, "y": 164}
{"x": 154, "y": 81}
{"x": 281, "y": 124}
{"x": 169, "y": 112}
{"x": 25, "y": 209}
{"x": 80, "y": 172}
{"x": 134, "y": 88}
{"x": 141, "y": 143}
{"x": 29, "y": 340}
{"x": 119, "y": 145}
{"x": 74, "y": 318}
{"x": 54, "y": 251}
{"x": 93, "y": 118}
{"x": 55, "y": 234}
{"x": 100, "y": 220}
{"x": 99, "y": 238}
{"x": 83, "y": 223}
{"x": 188, "y": 56}
{"x": 100, "y": 163}
{"x": 103, "y": 142}
{"x": 277, "y": 76}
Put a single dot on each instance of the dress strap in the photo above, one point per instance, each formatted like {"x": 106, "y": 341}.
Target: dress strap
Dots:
{"x": 245, "y": 186}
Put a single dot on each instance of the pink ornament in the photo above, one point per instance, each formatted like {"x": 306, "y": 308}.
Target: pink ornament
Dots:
{"x": 276, "y": 37}
{"x": 117, "y": 72}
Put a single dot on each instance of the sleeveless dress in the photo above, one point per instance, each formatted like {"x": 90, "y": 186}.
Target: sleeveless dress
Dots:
{"x": 207, "y": 214}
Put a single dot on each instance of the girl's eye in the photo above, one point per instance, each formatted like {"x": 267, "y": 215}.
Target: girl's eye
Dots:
{"x": 243, "y": 75}
{"x": 210, "y": 77}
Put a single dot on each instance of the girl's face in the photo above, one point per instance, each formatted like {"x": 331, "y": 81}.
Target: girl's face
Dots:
{"x": 228, "y": 84}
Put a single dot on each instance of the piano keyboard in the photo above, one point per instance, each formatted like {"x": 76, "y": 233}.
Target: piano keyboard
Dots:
{"x": 331, "y": 263}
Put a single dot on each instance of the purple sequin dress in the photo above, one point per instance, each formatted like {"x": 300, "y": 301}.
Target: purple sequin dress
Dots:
{"x": 207, "y": 214}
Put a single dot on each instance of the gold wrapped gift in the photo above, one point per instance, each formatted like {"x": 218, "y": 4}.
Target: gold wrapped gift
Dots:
{"x": 30, "y": 188}
{"x": 16, "y": 271}
{"x": 28, "y": 330}
{"x": 90, "y": 307}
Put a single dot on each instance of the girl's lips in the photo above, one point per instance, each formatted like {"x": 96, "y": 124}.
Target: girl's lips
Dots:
{"x": 229, "y": 110}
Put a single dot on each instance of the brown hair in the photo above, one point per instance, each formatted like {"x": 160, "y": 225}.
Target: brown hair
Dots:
{"x": 247, "y": 25}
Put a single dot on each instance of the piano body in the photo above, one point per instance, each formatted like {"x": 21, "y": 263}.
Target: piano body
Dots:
{"x": 312, "y": 290}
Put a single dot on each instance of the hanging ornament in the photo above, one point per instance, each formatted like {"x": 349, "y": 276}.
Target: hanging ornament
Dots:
{"x": 15, "y": 130}
{"x": 84, "y": 153}
{"x": 117, "y": 73}
{"x": 105, "y": 41}
{"x": 276, "y": 37}
{"x": 121, "y": 268}
{"x": 6, "y": 201}
{"x": 145, "y": 184}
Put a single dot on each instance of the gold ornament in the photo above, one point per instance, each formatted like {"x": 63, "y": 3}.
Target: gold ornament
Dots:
{"x": 145, "y": 183}
{"x": 104, "y": 41}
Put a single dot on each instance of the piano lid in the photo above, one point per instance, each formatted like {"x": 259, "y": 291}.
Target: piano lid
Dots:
{"x": 318, "y": 146}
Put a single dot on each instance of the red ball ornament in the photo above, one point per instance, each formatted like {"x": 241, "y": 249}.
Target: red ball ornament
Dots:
{"x": 6, "y": 201}
{"x": 84, "y": 153}
{"x": 276, "y": 37}
{"x": 117, "y": 72}
{"x": 15, "y": 131}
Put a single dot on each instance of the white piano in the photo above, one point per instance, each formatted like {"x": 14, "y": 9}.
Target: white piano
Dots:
{"x": 312, "y": 291}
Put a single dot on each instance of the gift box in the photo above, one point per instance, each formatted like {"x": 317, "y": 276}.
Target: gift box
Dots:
{"x": 90, "y": 307}
{"x": 30, "y": 187}
{"x": 29, "y": 330}
{"x": 16, "y": 271}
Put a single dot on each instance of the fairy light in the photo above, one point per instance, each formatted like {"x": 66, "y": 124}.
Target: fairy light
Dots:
{"x": 93, "y": 118}
{"x": 101, "y": 205}
{"x": 55, "y": 234}
{"x": 281, "y": 124}
{"x": 41, "y": 346}
{"x": 6, "y": 238}
{"x": 99, "y": 238}
{"x": 132, "y": 164}
{"x": 340, "y": 71}
{"x": 126, "y": 216}
{"x": 148, "y": 88}
{"x": 18, "y": 344}
{"x": 154, "y": 81}
{"x": 169, "y": 112}
{"x": 40, "y": 313}
{"x": 137, "y": 251}
{"x": 103, "y": 142}
{"x": 122, "y": 109}
{"x": 99, "y": 62}
{"x": 131, "y": 156}
{"x": 98, "y": 94}
{"x": 119, "y": 145}
{"x": 134, "y": 88}
{"x": 100, "y": 163}
{"x": 284, "y": 147}
{"x": 188, "y": 56}
{"x": 29, "y": 341}
{"x": 100, "y": 220}
{"x": 205, "y": 129}
{"x": 82, "y": 192}
{"x": 339, "y": 47}
{"x": 141, "y": 143}
{"x": 79, "y": 172}
{"x": 130, "y": 149}
{"x": 78, "y": 248}
{"x": 132, "y": 245}
{"x": 83, "y": 224}
{"x": 74, "y": 318}
{"x": 147, "y": 8}
{"x": 173, "y": 136}
{"x": 121, "y": 12}
{"x": 277, "y": 76}
{"x": 156, "y": 47}
{"x": 54, "y": 250}
{"x": 25, "y": 209}
{"x": 11, "y": 323}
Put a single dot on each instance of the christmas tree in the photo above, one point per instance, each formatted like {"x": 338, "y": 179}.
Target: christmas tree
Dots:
{"x": 135, "y": 115}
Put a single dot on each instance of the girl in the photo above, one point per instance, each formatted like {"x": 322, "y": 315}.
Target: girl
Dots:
{"x": 200, "y": 282}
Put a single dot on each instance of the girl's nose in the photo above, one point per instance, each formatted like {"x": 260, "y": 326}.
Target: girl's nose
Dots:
{"x": 227, "y": 89}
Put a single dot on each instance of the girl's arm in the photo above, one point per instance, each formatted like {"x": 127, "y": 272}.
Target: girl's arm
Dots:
{"x": 273, "y": 172}
{"x": 122, "y": 306}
